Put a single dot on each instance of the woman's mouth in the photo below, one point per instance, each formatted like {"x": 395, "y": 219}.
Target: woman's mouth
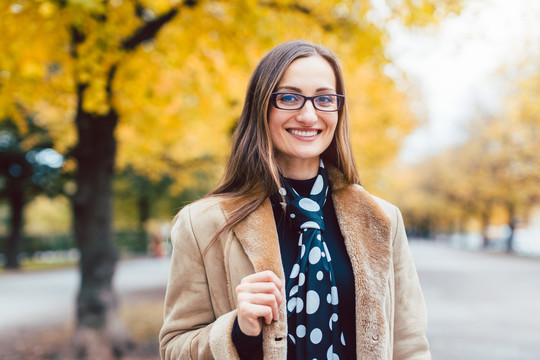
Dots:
{"x": 304, "y": 133}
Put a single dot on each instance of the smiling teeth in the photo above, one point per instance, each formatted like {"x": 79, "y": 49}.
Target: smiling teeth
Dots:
{"x": 303, "y": 133}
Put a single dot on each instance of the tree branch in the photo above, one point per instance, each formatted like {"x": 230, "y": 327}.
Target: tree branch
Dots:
{"x": 148, "y": 30}
{"x": 327, "y": 26}
{"x": 294, "y": 7}
{"x": 110, "y": 77}
{"x": 77, "y": 37}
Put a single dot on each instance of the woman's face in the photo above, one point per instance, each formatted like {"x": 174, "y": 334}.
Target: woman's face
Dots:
{"x": 301, "y": 136}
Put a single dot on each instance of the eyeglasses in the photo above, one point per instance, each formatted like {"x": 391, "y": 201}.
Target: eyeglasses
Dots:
{"x": 294, "y": 101}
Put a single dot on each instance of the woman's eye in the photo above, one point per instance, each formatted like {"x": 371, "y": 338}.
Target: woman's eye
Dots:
{"x": 288, "y": 99}
{"x": 325, "y": 100}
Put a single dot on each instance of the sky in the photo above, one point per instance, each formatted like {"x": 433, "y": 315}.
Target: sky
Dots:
{"x": 462, "y": 66}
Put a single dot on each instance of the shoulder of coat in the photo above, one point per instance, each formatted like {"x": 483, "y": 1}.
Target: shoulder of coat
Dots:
{"x": 206, "y": 210}
{"x": 388, "y": 208}
{"x": 205, "y": 204}
{"x": 203, "y": 217}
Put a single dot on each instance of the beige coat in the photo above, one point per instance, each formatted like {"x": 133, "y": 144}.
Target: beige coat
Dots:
{"x": 201, "y": 300}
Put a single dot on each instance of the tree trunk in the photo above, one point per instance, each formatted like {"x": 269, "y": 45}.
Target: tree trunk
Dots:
{"x": 461, "y": 232}
{"x": 512, "y": 225}
{"x": 143, "y": 205}
{"x": 14, "y": 240}
{"x": 485, "y": 215}
{"x": 98, "y": 333}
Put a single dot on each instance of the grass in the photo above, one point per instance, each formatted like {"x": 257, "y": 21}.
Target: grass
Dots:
{"x": 35, "y": 265}
{"x": 143, "y": 315}
{"x": 140, "y": 312}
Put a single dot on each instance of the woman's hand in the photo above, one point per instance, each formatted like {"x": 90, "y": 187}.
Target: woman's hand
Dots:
{"x": 259, "y": 296}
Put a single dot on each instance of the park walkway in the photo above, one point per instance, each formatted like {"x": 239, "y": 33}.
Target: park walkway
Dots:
{"x": 48, "y": 297}
{"x": 480, "y": 305}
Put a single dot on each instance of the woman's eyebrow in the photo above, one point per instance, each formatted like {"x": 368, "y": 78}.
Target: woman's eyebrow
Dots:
{"x": 295, "y": 89}
{"x": 287, "y": 87}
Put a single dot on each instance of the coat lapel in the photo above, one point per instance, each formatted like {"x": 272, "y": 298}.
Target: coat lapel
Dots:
{"x": 366, "y": 230}
{"x": 258, "y": 235}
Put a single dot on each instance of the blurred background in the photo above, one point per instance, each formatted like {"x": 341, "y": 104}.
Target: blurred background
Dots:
{"x": 116, "y": 113}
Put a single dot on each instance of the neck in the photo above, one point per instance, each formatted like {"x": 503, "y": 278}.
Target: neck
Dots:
{"x": 299, "y": 169}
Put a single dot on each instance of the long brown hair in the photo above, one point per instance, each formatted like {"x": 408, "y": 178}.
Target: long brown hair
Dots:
{"x": 252, "y": 173}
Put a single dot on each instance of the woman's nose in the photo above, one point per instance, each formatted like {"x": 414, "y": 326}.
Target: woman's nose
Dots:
{"x": 307, "y": 114}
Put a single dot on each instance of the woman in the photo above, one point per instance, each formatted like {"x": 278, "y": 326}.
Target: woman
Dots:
{"x": 274, "y": 262}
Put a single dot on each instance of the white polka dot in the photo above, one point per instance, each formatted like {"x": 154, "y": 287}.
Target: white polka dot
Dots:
{"x": 314, "y": 255}
{"x": 292, "y": 339}
{"x": 321, "y": 164}
{"x": 320, "y": 275}
{"x": 300, "y": 240}
{"x": 317, "y": 186}
{"x": 323, "y": 254}
{"x": 327, "y": 252}
{"x": 330, "y": 354}
{"x": 294, "y": 290}
{"x": 295, "y": 270}
{"x": 301, "y": 279}
{"x": 310, "y": 225}
{"x": 333, "y": 318}
{"x": 312, "y": 302}
{"x": 319, "y": 237}
{"x": 283, "y": 191}
{"x": 291, "y": 304}
{"x": 315, "y": 336}
{"x": 342, "y": 339}
{"x": 308, "y": 204}
{"x": 329, "y": 298}
{"x": 334, "y": 292}
{"x": 300, "y": 331}
{"x": 292, "y": 216}
{"x": 299, "y": 305}
{"x": 302, "y": 251}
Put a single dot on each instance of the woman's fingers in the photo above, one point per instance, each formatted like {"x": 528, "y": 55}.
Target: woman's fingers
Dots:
{"x": 263, "y": 276}
{"x": 260, "y": 288}
{"x": 258, "y": 297}
{"x": 249, "y": 319}
{"x": 252, "y": 308}
{"x": 261, "y": 299}
{"x": 261, "y": 282}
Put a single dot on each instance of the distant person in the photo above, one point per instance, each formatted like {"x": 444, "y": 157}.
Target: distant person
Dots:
{"x": 290, "y": 258}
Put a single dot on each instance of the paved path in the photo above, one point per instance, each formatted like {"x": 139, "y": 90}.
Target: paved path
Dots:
{"x": 480, "y": 305}
{"x": 48, "y": 297}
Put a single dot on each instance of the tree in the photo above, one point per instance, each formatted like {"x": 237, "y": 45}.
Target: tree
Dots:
{"x": 28, "y": 166}
{"x": 496, "y": 167}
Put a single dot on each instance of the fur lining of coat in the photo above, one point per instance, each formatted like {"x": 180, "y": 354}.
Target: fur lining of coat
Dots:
{"x": 201, "y": 300}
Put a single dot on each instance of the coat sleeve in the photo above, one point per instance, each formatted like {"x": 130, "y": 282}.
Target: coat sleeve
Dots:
{"x": 190, "y": 329}
{"x": 410, "y": 320}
